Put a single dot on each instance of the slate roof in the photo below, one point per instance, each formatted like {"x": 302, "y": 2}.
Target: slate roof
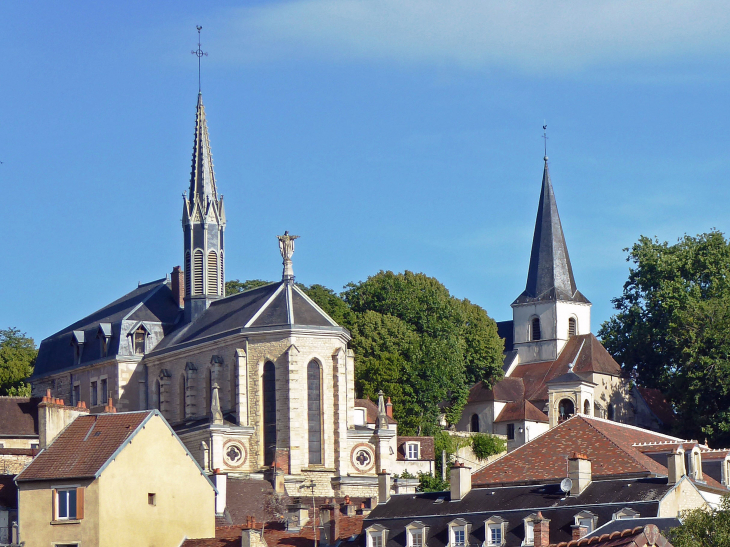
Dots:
{"x": 505, "y": 329}
{"x": 609, "y": 446}
{"x": 619, "y": 525}
{"x": 550, "y": 276}
{"x": 152, "y": 302}
{"x": 514, "y": 503}
{"x": 274, "y": 305}
{"x": 427, "y": 452}
{"x": 19, "y": 416}
{"x": 521, "y": 411}
{"x": 85, "y": 446}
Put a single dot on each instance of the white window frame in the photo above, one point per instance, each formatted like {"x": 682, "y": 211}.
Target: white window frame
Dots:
{"x": 495, "y": 529}
{"x": 460, "y": 526}
{"x": 625, "y": 513}
{"x": 360, "y": 416}
{"x": 587, "y": 519}
{"x": 415, "y": 528}
{"x": 494, "y": 523}
{"x": 411, "y": 445}
{"x": 377, "y": 536}
{"x": 66, "y": 491}
{"x": 529, "y": 531}
{"x": 458, "y": 532}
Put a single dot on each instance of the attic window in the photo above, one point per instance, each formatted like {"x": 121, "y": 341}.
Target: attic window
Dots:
{"x": 536, "y": 335}
{"x": 412, "y": 450}
{"x": 572, "y": 329}
{"x": 494, "y": 531}
{"x": 587, "y": 520}
{"x": 359, "y": 416}
{"x": 139, "y": 341}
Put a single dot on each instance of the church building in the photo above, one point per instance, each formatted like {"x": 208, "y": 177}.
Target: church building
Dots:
{"x": 253, "y": 382}
{"x": 554, "y": 367}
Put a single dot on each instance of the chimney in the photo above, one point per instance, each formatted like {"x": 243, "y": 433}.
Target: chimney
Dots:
{"x": 53, "y": 417}
{"x": 220, "y": 481}
{"x": 675, "y": 466}
{"x": 460, "y": 481}
{"x": 579, "y": 531}
{"x": 109, "y": 407}
{"x": 297, "y": 516}
{"x": 250, "y": 537}
{"x": 542, "y": 531}
{"x": 383, "y": 487}
{"x": 579, "y": 471}
{"x": 331, "y": 521}
{"x": 389, "y": 408}
{"x": 177, "y": 285}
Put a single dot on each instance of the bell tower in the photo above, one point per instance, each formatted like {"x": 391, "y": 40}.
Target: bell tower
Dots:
{"x": 203, "y": 223}
{"x": 551, "y": 309}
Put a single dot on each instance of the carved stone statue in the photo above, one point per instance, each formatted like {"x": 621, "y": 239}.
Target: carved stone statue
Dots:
{"x": 286, "y": 246}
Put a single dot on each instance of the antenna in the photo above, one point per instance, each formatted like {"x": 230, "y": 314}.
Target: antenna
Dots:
{"x": 544, "y": 134}
{"x": 199, "y": 53}
{"x": 566, "y": 484}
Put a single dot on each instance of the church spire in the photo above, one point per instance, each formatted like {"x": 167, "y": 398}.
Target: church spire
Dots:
{"x": 550, "y": 276}
{"x": 202, "y": 176}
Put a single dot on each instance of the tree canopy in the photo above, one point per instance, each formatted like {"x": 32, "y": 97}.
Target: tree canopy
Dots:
{"x": 704, "y": 527}
{"x": 671, "y": 329}
{"x": 17, "y": 357}
{"x": 414, "y": 341}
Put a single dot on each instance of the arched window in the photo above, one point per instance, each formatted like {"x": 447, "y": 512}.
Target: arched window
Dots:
{"x": 198, "y": 273}
{"x": 212, "y": 273}
{"x": 587, "y": 408}
{"x": 139, "y": 341}
{"x": 610, "y": 412}
{"x": 269, "y": 382}
{"x": 572, "y": 329}
{"x": 475, "y": 423}
{"x": 181, "y": 396}
{"x": 536, "y": 335}
{"x": 314, "y": 412}
{"x": 157, "y": 395}
{"x": 187, "y": 274}
{"x": 598, "y": 411}
{"x": 565, "y": 409}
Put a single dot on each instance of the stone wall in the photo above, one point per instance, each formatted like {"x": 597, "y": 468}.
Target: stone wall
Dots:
{"x": 12, "y": 464}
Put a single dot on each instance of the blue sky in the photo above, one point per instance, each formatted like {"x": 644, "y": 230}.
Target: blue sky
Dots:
{"x": 388, "y": 134}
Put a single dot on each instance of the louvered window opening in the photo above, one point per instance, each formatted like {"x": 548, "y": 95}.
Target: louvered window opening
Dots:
{"x": 198, "y": 273}
{"x": 536, "y": 334}
{"x": 269, "y": 382}
{"x": 223, "y": 283}
{"x": 187, "y": 274}
{"x": 212, "y": 273}
{"x": 571, "y": 327}
{"x": 314, "y": 412}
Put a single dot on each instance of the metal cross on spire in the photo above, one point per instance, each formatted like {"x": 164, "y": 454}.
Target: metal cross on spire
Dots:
{"x": 199, "y": 53}
{"x": 545, "y": 138}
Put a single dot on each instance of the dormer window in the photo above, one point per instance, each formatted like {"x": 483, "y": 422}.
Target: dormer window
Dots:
{"x": 104, "y": 334}
{"x": 416, "y": 534}
{"x": 412, "y": 450}
{"x": 536, "y": 334}
{"x": 359, "y": 416}
{"x": 696, "y": 464}
{"x": 725, "y": 471}
{"x": 625, "y": 513}
{"x": 77, "y": 341}
{"x": 495, "y": 531}
{"x": 377, "y": 535}
{"x": 587, "y": 520}
{"x": 139, "y": 341}
{"x": 458, "y": 533}
{"x": 572, "y": 327}
{"x": 530, "y": 529}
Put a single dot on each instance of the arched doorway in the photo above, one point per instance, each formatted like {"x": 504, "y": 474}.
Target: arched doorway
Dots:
{"x": 475, "y": 423}
{"x": 566, "y": 409}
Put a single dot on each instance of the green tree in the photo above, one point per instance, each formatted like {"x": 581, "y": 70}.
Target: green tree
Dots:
{"x": 234, "y": 286}
{"x": 332, "y": 304}
{"x": 670, "y": 329}
{"x": 17, "y": 358}
{"x": 703, "y": 527}
{"x": 485, "y": 445}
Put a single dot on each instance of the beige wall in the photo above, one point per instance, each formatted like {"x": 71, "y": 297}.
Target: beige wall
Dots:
{"x": 18, "y": 442}
{"x": 35, "y": 514}
{"x": 682, "y": 498}
{"x": 154, "y": 462}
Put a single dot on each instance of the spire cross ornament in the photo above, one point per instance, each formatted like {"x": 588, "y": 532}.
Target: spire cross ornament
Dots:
{"x": 286, "y": 246}
{"x": 545, "y": 138}
{"x": 199, "y": 53}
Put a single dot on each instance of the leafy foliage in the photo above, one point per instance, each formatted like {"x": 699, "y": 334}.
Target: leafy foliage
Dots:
{"x": 485, "y": 445}
{"x": 704, "y": 527}
{"x": 234, "y": 286}
{"x": 17, "y": 358}
{"x": 431, "y": 483}
{"x": 671, "y": 328}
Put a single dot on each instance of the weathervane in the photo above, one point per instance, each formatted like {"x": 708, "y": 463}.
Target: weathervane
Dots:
{"x": 199, "y": 53}
{"x": 545, "y": 138}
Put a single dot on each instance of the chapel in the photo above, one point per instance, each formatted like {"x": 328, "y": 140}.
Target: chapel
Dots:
{"x": 554, "y": 366}
{"x": 252, "y": 383}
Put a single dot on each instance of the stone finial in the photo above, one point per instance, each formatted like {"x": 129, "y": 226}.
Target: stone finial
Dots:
{"x": 286, "y": 247}
{"x": 215, "y": 406}
{"x": 382, "y": 420}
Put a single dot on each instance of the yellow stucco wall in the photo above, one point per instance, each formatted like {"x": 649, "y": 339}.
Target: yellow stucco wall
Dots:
{"x": 35, "y": 515}
{"x": 685, "y": 496}
{"x": 116, "y": 508}
{"x": 155, "y": 462}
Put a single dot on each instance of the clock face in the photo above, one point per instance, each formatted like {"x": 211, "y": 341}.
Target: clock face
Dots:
{"x": 234, "y": 454}
{"x": 362, "y": 458}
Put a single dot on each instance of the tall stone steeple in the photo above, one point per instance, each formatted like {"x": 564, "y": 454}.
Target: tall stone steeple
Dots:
{"x": 551, "y": 309}
{"x": 203, "y": 223}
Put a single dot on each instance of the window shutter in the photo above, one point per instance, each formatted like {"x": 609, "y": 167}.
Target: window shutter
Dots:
{"x": 80, "y": 503}
{"x": 54, "y": 495}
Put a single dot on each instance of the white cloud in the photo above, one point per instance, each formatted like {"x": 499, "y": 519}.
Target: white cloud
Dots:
{"x": 530, "y": 36}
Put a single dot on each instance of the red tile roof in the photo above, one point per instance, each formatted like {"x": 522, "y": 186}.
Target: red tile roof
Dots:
{"x": 18, "y": 416}
{"x": 638, "y": 537}
{"x": 507, "y": 389}
{"x": 83, "y": 448}
{"x": 521, "y": 411}
{"x": 428, "y": 451}
{"x": 371, "y": 409}
{"x": 609, "y": 446}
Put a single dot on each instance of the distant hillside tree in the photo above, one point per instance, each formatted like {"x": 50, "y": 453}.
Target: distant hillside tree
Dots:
{"x": 234, "y": 286}
{"x": 703, "y": 527}
{"x": 17, "y": 358}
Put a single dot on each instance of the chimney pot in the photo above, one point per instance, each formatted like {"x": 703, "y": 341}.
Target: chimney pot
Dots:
{"x": 389, "y": 408}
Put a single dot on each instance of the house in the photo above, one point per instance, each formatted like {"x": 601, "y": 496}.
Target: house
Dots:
{"x": 19, "y": 439}
{"x": 554, "y": 366}
{"x": 250, "y": 382}
{"x": 113, "y": 479}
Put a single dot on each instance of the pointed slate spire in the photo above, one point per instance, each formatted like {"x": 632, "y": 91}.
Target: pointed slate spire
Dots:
{"x": 202, "y": 177}
{"x": 550, "y": 276}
